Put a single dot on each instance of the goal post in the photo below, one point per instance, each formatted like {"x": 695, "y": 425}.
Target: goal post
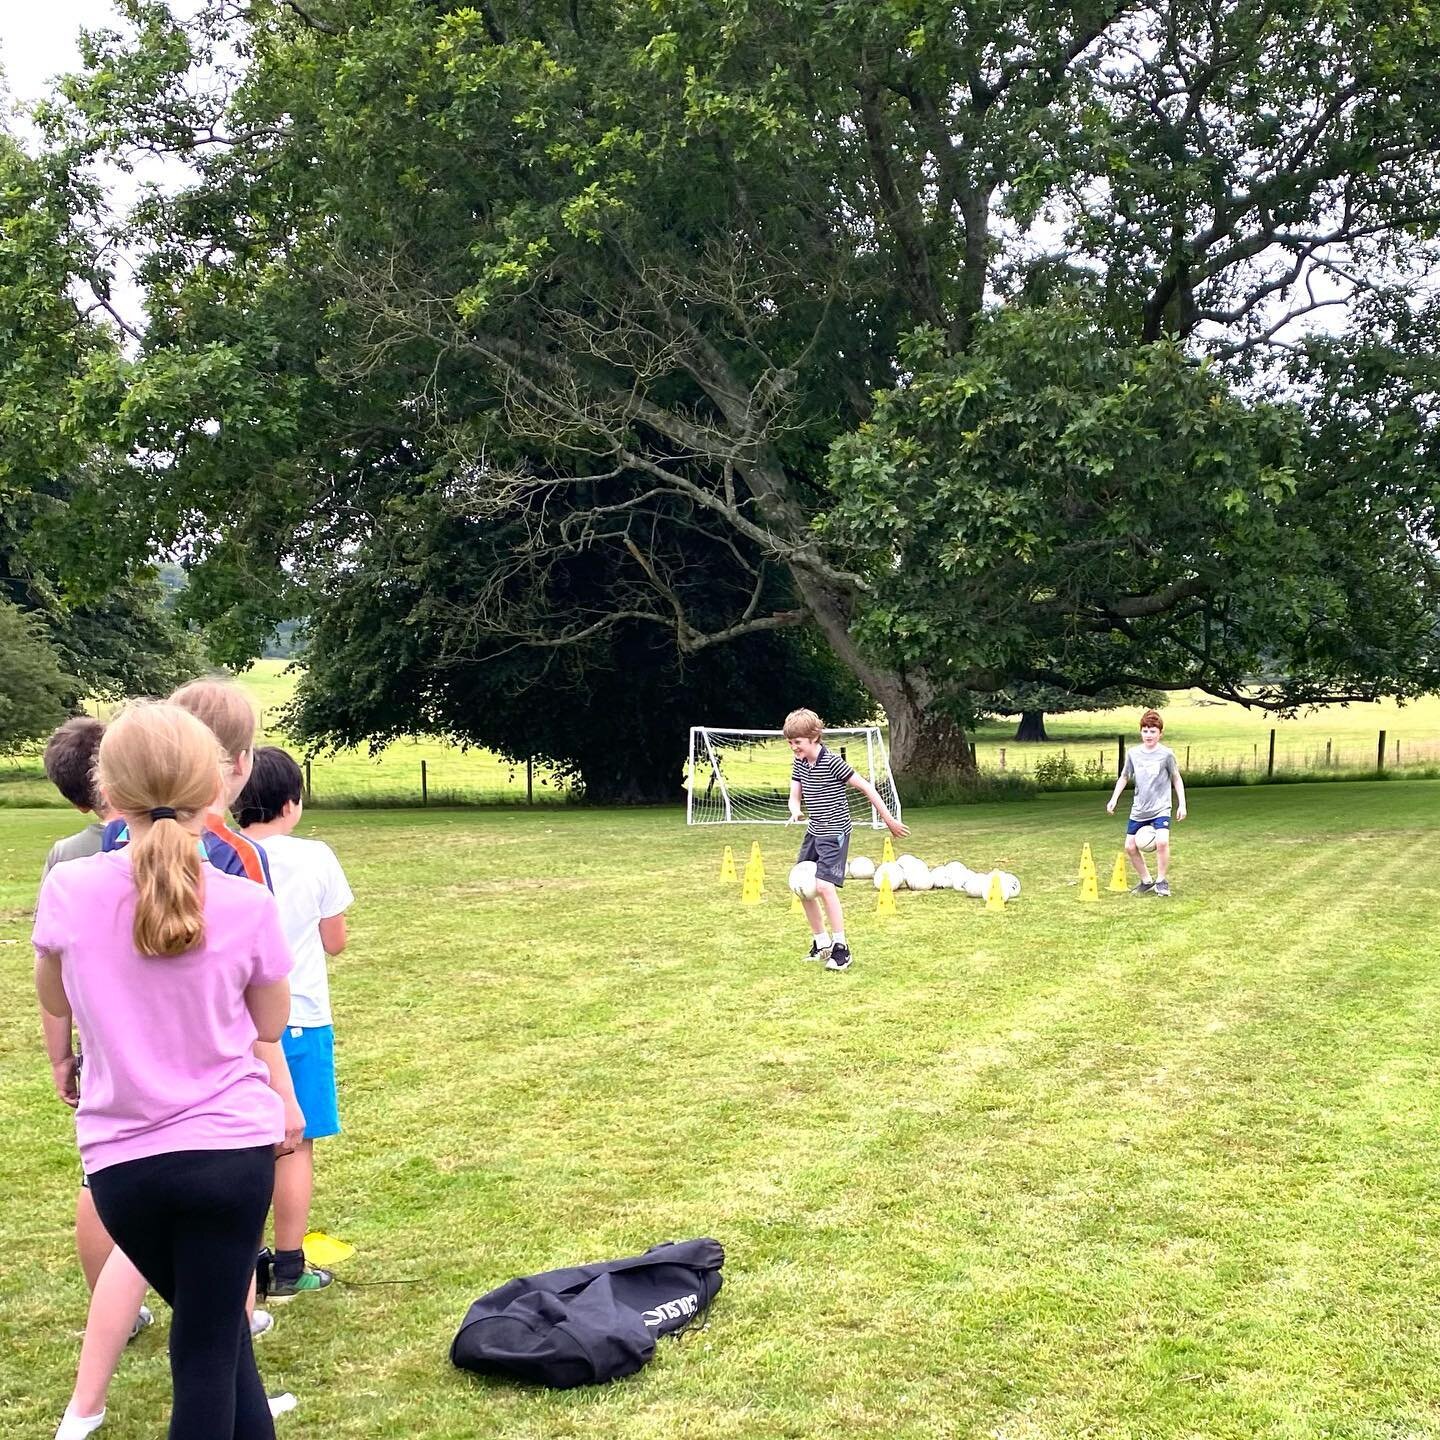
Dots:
{"x": 742, "y": 777}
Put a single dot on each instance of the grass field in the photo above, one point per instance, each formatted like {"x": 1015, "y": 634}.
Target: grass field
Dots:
{"x": 1134, "y": 1169}
{"x": 1210, "y": 737}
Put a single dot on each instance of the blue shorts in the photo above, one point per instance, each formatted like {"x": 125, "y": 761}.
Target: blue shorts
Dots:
{"x": 310, "y": 1053}
{"x": 829, "y": 852}
{"x": 1160, "y": 822}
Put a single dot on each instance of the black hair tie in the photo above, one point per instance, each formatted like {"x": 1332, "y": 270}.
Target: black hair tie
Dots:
{"x": 162, "y": 812}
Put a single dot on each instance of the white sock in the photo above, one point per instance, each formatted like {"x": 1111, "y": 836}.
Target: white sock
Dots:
{"x": 77, "y": 1427}
{"x": 822, "y": 939}
{"x": 282, "y": 1404}
{"x": 839, "y": 937}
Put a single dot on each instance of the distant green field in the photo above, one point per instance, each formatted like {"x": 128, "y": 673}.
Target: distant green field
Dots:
{"x": 1138, "y": 1169}
{"x": 1209, "y": 736}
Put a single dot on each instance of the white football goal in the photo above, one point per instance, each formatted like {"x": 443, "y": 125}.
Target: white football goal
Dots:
{"x": 742, "y": 777}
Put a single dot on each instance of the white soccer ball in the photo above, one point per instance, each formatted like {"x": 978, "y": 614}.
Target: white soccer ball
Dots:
{"x": 862, "y": 867}
{"x": 802, "y": 879}
{"x": 895, "y": 873}
{"x": 941, "y": 878}
{"x": 915, "y": 871}
{"x": 976, "y": 884}
{"x": 959, "y": 873}
{"x": 1145, "y": 837}
{"x": 1010, "y": 884}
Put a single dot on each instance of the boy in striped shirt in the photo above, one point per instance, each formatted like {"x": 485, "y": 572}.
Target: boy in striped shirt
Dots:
{"x": 818, "y": 781}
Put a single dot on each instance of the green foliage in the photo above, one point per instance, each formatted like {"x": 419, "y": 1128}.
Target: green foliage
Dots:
{"x": 34, "y": 691}
{"x": 1052, "y": 505}
{"x": 617, "y": 276}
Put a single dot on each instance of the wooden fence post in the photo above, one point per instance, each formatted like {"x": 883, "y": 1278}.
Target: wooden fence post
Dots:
{"x": 1270, "y": 766}
{"x": 309, "y": 788}
{"x": 1380, "y": 753}
{"x": 1328, "y": 744}
{"x": 1119, "y": 753}
{"x": 529, "y": 779}
{"x": 424, "y": 785}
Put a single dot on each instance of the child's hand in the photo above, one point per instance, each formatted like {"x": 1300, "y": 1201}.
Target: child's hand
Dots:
{"x": 294, "y": 1127}
{"x": 1180, "y": 813}
{"x": 64, "y": 1072}
{"x": 796, "y": 815}
{"x": 1110, "y": 808}
{"x": 898, "y": 830}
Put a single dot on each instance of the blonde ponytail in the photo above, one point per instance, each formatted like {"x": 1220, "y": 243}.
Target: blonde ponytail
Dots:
{"x": 160, "y": 757}
{"x": 165, "y": 862}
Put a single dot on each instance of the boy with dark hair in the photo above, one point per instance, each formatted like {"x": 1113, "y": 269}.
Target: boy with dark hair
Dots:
{"x": 70, "y": 764}
{"x": 818, "y": 780}
{"x": 313, "y": 895}
{"x": 1153, "y": 768}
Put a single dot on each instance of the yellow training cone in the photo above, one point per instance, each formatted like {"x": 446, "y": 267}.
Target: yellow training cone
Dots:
{"x": 727, "y": 867}
{"x": 887, "y": 855}
{"x": 1088, "y": 888}
{"x": 995, "y": 895}
{"x": 757, "y": 862}
{"x": 885, "y": 905}
{"x": 321, "y": 1249}
{"x": 754, "y": 888}
{"x": 1119, "y": 880}
{"x": 1087, "y": 862}
{"x": 796, "y": 908}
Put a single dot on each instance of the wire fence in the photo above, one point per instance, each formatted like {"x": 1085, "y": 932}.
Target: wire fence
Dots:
{"x": 426, "y": 772}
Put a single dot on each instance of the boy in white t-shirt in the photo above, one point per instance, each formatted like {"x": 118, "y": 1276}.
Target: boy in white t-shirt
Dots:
{"x": 313, "y": 895}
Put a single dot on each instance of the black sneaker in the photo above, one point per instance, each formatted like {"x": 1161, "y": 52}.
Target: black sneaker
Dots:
{"x": 1162, "y": 887}
{"x": 818, "y": 951}
{"x": 286, "y": 1287}
{"x": 1145, "y": 887}
{"x": 840, "y": 957}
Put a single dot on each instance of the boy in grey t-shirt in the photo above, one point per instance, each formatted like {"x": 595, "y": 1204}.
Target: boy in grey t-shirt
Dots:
{"x": 1153, "y": 768}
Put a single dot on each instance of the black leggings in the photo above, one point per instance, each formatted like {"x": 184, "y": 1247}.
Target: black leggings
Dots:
{"x": 191, "y": 1221}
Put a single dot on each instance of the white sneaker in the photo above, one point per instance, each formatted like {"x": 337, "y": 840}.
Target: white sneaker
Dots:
{"x": 282, "y": 1404}
{"x": 260, "y": 1322}
{"x": 143, "y": 1317}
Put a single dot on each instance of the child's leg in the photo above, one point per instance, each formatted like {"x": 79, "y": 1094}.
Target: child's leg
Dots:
{"x": 92, "y": 1240}
{"x": 1162, "y": 853}
{"x": 116, "y": 1302}
{"x": 830, "y": 898}
{"x": 189, "y": 1220}
{"x": 1137, "y": 859}
{"x": 294, "y": 1186}
{"x": 813, "y": 914}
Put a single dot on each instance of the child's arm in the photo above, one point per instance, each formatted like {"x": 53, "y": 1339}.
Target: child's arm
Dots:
{"x": 1119, "y": 788}
{"x": 272, "y": 1056}
{"x": 61, "y": 1056}
{"x": 333, "y": 934}
{"x": 797, "y": 803}
{"x": 873, "y": 796}
{"x": 1179, "y": 795}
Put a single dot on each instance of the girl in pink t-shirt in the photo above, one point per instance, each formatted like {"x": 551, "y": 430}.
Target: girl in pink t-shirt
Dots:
{"x": 172, "y": 971}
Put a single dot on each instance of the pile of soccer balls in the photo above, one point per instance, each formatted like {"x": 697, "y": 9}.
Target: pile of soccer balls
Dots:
{"x": 911, "y": 873}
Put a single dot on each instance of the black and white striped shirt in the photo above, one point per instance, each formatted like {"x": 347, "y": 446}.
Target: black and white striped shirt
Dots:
{"x": 823, "y": 786}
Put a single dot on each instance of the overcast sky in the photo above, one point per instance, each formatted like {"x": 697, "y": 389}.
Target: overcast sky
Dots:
{"x": 41, "y": 40}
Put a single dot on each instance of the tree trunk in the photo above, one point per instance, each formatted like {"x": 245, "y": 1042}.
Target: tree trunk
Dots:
{"x": 924, "y": 745}
{"x": 1032, "y": 726}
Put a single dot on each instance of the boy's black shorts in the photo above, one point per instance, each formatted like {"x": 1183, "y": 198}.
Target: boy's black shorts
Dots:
{"x": 829, "y": 852}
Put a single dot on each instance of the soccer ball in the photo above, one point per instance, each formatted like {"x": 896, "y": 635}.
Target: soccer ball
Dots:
{"x": 862, "y": 867}
{"x": 1145, "y": 837}
{"x": 976, "y": 884}
{"x": 941, "y": 878}
{"x": 893, "y": 870}
{"x": 802, "y": 879}
{"x": 915, "y": 871}
{"x": 1009, "y": 884}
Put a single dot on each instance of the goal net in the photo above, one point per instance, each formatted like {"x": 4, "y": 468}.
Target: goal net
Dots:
{"x": 742, "y": 777}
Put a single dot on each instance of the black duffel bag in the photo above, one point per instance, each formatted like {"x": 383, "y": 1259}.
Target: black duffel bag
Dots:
{"x": 590, "y": 1323}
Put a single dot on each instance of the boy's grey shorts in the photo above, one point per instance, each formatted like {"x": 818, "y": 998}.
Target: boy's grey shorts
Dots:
{"x": 829, "y": 852}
